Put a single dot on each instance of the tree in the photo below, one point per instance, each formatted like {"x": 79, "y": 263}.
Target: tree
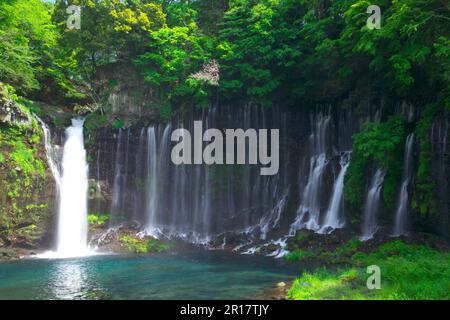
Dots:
{"x": 28, "y": 38}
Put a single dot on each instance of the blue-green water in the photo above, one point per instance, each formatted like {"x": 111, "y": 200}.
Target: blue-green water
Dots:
{"x": 190, "y": 275}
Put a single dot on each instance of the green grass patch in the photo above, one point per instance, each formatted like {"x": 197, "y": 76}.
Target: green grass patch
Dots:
{"x": 299, "y": 255}
{"x": 407, "y": 272}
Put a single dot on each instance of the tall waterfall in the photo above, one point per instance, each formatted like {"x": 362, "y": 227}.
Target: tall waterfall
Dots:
{"x": 72, "y": 219}
{"x": 369, "y": 226}
{"x": 72, "y": 187}
{"x": 401, "y": 215}
{"x": 308, "y": 213}
{"x": 334, "y": 216}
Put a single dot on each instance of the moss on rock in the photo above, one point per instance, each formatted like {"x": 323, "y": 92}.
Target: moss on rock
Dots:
{"x": 23, "y": 207}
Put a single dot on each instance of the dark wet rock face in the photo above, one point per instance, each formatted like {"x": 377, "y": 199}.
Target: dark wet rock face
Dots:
{"x": 440, "y": 171}
{"x": 225, "y": 206}
{"x": 233, "y": 204}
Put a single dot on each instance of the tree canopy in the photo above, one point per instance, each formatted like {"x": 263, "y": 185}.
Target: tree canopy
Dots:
{"x": 268, "y": 50}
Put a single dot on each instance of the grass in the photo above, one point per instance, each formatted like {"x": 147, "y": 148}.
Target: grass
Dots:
{"x": 299, "y": 255}
{"x": 407, "y": 272}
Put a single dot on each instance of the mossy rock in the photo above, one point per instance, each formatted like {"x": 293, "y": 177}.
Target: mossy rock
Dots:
{"x": 8, "y": 253}
{"x": 268, "y": 249}
{"x": 301, "y": 239}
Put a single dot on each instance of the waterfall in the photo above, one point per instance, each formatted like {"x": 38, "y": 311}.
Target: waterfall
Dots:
{"x": 272, "y": 218}
{"x": 72, "y": 187}
{"x": 152, "y": 177}
{"x": 117, "y": 195}
{"x": 197, "y": 202}
{"x": 72, "y": 224}
{"x": 334, "y": 218}
{"x": 308, "y": 213}
{"x": 51, "y": 153}
{"x": 139, "y": 178}
{"x": 401, "y": 215}
{"x": 369, "y": 226}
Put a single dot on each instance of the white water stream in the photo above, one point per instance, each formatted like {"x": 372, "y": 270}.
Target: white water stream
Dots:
{"x": 72, "y": 184}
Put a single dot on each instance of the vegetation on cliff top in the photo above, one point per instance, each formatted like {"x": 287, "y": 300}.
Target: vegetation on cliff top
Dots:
{"x": 267, "y": 50}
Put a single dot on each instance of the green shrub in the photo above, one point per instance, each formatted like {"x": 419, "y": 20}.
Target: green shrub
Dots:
{"x": 299, "y": 255}
{"x": 98, "y": 219}
{"x": 350, "y": 247}
{"x": 23, "y": 156}
{"x": 425, "y": 202}
{"x": 382, "y": 143}
{"x": 165, "y": 112}
{"x": 138, "y": 245}
{"x": 154, "y": 245}
{"x": 134, "y": 244}
{"x": 95, "y": 120}
{"x": 118, "y": 123}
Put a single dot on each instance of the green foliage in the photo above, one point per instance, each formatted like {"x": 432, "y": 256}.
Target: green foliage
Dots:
{"x": 95, "y": 120}
{"x": 407, "y": 272}
{"x": 292, "y": 51}
{"x": 324, "y": 250}
{"x": 383, "y": 144}
{"x": 348, "y": 248}
{"x": 21, "y": 143}
{"x": 322, "y": 285}
{"x": 142, "y": 245}
{"x": 27, "y": 36}
{"x": 155, "y": 245}
{"x": 322, "y": 50}
{"x": 165, "y": 112}
{"x": 30, "y": 58}
{"x": 98, "y": 219}
{"x": 425, "y": 202}
{"x": 134, "y": 244}
{"x": 111, "y": 30}
{"x": 299, "y": 255}
{"x": 268, "y": 49}
{"x": 172, "y": 54}
{"x": 118, "y": 123}
{"x": 23, "y": 156}
{"x": 21, "y": 181}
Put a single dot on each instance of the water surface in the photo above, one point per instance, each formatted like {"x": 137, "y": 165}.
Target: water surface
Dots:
{"x": 190, "y": 275}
